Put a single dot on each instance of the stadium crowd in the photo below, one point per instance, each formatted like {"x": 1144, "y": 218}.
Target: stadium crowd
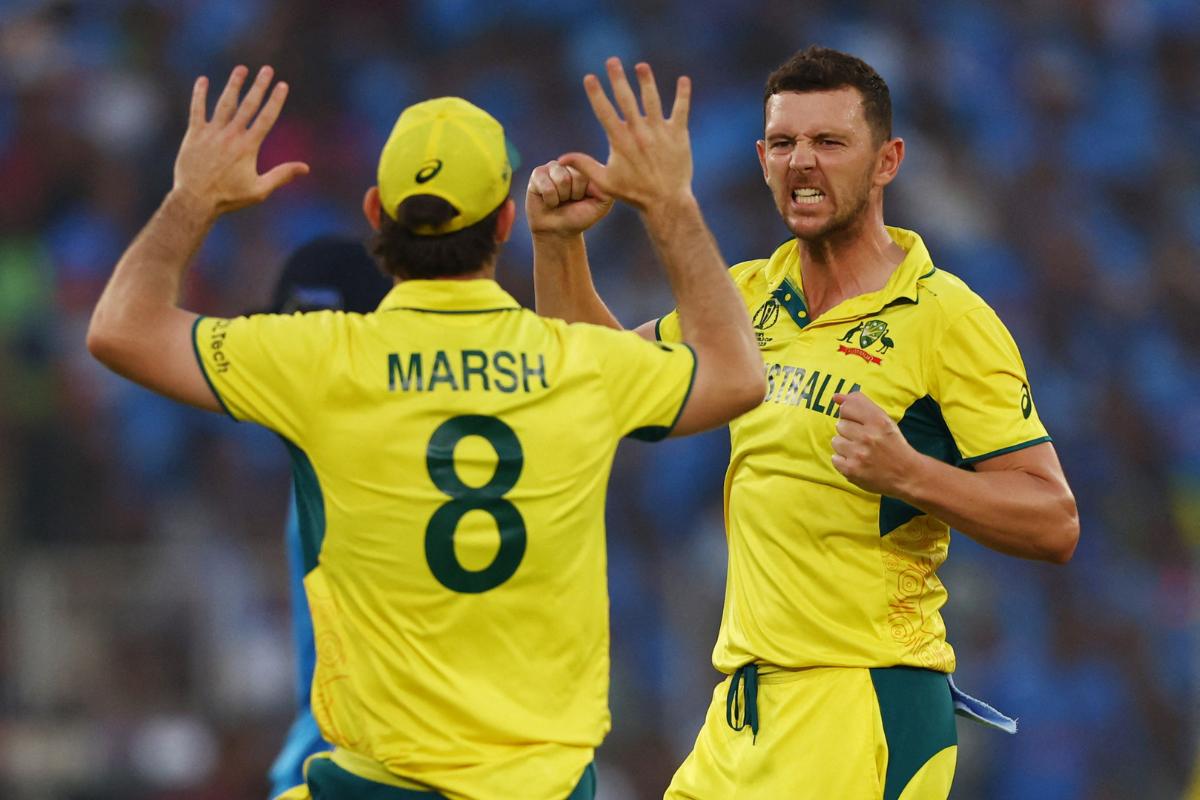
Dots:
{"x": 1053, "y": 163}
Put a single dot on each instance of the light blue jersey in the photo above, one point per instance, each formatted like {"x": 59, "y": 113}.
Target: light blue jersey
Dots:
{"x": 304, "y": 738}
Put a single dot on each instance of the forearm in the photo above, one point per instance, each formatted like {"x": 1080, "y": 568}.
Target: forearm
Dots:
{"x": 1013, "y": 511}
{"x": 145, "y": 286}
{"x": 729, "y": 376}
{"x": 562, "y": 282}
{"x": 711, "y": 312}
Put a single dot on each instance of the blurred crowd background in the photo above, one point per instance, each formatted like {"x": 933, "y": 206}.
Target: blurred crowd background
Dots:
{"x": 1053, "y": 163}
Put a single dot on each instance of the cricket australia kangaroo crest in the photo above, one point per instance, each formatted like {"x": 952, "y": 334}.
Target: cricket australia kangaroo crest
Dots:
{"x": 869, "y": 332}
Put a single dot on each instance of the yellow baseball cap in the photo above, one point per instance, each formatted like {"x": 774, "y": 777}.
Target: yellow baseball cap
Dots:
{"x": 451, "y": 149}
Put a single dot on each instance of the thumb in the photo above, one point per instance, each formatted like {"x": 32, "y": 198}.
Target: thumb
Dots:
{"x": 282, "y": 175}
{"x": 596, "y": 173}
{"x": 594, "y": 192}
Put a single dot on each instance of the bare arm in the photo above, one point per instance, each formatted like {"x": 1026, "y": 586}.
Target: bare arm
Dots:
{"x": 560, "y": 204}
{"x": 562, "y": 282}
{"x": 650, "y": 167}
{"x": 138, "y": 329}
{"x": 1018, "y": 503}
{"x": 712, "y": 317}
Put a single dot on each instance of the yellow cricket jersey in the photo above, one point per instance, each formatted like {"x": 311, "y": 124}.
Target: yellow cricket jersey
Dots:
{"x": 821, "y": 572}
{"x": 451, "y": 452}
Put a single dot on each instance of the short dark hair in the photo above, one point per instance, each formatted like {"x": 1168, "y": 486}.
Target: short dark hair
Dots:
{"x": 407, "y": 255}
{"x": 820, "y": 69}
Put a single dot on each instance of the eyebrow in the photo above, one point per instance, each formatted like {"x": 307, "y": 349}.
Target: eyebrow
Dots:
{"x": 824, "y": 133}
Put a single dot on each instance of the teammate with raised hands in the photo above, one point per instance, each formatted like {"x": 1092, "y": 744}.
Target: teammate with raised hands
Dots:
{"x": 451, "y": 449}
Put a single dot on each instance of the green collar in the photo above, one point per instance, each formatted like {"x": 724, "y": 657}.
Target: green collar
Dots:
{"x": 783, "y": 273}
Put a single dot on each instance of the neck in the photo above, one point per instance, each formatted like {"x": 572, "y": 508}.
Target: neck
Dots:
{"x": 486, "y": 272}
{"x": 855, "y": 261}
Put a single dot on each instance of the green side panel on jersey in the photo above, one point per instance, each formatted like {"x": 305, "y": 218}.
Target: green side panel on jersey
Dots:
{"x": 310, "y": 506}
{"x": 328, "y": 781}
{"x": 586, "y": 790}
{"x": 925, "y": 429}
{"x": 918, "y": 721}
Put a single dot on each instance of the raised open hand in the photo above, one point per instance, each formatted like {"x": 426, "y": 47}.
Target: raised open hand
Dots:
{"x": 650, "y": 156}
{"x": 218, "y": 159}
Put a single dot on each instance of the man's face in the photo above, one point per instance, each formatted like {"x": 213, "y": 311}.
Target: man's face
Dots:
{"x": 820, "y": 158}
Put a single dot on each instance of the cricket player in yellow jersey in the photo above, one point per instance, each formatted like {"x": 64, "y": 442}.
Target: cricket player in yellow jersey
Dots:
{"x": 451, "y": 450}
{"x": 897, "y": 407}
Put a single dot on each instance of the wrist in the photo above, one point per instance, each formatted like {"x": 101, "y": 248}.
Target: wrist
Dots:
{"x": 670, "y": 209}
{"x": 183, "y": 201}
{"x": 915, "y": 479}
{"x": 554, "y": 242}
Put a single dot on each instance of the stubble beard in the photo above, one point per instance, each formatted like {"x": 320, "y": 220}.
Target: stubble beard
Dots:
{"x": 845, "y": 224}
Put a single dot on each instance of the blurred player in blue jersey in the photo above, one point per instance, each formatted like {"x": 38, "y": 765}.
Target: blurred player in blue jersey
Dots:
{"x": 332, "y": 272}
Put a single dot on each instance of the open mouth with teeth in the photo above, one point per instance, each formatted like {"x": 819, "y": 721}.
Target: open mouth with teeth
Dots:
{"x": 807, "y": 196}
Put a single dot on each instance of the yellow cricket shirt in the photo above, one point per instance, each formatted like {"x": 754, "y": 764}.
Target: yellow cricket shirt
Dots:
{"x": 451, "y": 452}
{"x": 821, "y": 572}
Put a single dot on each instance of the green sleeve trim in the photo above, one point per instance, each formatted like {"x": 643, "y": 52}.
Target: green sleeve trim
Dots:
{"x": 1003, "y": 450}
{"x": 204, "y": 370}
{"x": 656, "y": 433}
{"x": 657, "y": 329}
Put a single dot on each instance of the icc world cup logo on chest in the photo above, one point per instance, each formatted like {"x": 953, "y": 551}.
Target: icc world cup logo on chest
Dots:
{"x": 869, "y": 333}
{"x": 766, "y": 316}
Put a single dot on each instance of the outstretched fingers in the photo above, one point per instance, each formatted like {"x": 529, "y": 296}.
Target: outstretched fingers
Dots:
{"x": 622, "y": 91}
{"x": 602, "y": 107}
{"x": 253, "y": 99}
{"x": 650, "y": 99}
{"x": 280, "y": 175}
{"x": 196, "y": 114}
{"x": 683, "y": 100}
{"x": 270, "y": 112}
{"x": 227, "y": 102}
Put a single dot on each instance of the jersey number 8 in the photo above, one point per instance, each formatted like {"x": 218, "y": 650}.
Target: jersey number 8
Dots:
{"x": 489, "y": 498}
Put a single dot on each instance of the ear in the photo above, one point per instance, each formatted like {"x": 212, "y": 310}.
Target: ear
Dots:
{"x": 761, "y": 147}
{"x": 504, "y": 222}
{"x": 372, "y": 208}
{"x": 891, "y": 155}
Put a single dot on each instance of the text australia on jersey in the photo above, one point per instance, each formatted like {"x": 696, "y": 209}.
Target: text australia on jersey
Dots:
{"x": 795, "y": 386}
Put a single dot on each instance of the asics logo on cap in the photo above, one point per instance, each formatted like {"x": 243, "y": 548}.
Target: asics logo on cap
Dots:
{"x": 429, "y": 169}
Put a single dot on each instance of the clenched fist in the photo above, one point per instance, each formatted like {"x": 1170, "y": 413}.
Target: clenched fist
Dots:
{"x": 869, "y": 448}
